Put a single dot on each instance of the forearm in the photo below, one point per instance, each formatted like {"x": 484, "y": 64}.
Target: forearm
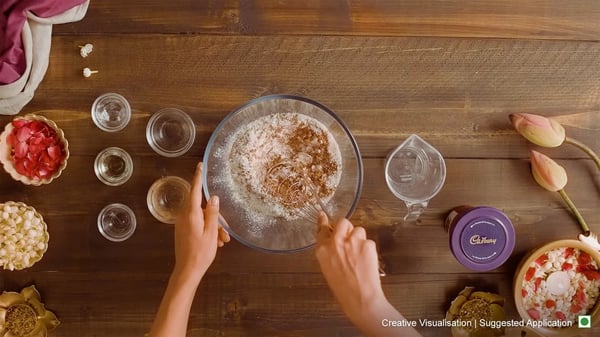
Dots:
{"x": 173, "y": 313}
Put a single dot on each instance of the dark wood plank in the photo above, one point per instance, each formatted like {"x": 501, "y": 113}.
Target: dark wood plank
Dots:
{"x": 533, "y": 19}
{"x": 539, "y": 216}
{"x": 450, "y": 71}
{"x": 456, "y": 93}
{"x": 248, "y": 304}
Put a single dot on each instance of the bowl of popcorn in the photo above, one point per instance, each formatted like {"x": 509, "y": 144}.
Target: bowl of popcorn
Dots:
{"x": 557, "y": 288}
{"x": 33, "y": 150}
{"x": 24, "y": 236}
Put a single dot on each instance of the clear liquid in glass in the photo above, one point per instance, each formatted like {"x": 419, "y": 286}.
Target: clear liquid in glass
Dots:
{"x": 113, "y": 166}
{"x": 111, "y": 112}
{"x": 167, "y": 197}
{"x": 172, "y": 135}
{"x": 170, "y": 132}
{"x": 116, "y": 222}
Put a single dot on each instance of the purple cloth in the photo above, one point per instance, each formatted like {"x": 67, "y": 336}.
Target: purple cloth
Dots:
{"x": 14, "y": 14}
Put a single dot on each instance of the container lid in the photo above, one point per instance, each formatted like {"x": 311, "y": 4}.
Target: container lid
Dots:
{"x": 482, "y": 239}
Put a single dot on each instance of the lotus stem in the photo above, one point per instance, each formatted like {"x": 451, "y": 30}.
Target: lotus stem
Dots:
{"x": 585, "y": 149}
{"x": 582, "y": 223}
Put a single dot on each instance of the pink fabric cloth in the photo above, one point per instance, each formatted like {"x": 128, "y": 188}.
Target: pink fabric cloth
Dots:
{"x": 14, "y": 14}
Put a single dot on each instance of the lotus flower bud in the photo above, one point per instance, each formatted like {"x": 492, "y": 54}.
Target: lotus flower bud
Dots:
{"x": 547, "y": 172}
{"x": 539, "y": 130}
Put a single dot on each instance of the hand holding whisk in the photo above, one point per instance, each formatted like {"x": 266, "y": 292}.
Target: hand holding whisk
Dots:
{"x": 318, "y": 209}
{"x": 291, "y": 183}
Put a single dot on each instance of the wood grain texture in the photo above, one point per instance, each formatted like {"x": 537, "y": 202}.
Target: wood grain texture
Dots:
{"x": 409, "y": 85}
{"x": 251, "y": 304}
{"x": 539, "y": 216}
{"x": 451, "y": 71}
{"x": 534, "y": 19}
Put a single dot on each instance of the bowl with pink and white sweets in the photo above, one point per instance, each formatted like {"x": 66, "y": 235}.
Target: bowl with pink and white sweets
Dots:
{"x": 557, "y": 288}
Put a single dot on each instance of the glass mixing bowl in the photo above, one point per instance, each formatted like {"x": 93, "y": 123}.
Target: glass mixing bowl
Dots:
{"x": 245, "y": 223}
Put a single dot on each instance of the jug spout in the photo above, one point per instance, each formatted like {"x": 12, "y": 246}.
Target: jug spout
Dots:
{"x": 413, "y": 211}
{"x": 415, "y": 172}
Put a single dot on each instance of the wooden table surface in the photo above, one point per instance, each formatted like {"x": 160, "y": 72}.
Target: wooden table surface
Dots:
{"x": 448, "y": 70}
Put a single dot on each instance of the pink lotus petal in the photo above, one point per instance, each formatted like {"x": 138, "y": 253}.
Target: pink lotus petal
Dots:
{"x": 37, "y": 126}
{"x": 37, "y": 151}
{"x": 20, "y": 167}
{"x": 37, "y": 148}
{"x": 54, "y": 152}
{"x": 34, "y": 139}
{"x": 29, "y": 165}
{"x": 48, "y": 141}
{"x": 21, "y": 150}
{"x": 19, "y": 123}
{"x": 43, "y": 173}
{"x": 23, "y": 134}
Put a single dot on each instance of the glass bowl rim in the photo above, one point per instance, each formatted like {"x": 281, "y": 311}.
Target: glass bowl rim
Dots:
{"x": 230, "y": 115}
{"x": 185, "y": 117}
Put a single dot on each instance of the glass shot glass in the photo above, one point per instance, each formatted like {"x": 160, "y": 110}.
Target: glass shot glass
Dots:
{"x": 415, "y": 172}
{"x": 111, "y": 112}
{"x": 113, "y": 166}
{"x": 170, "y": 132}
{"x": 116, "y": 222}
{"x": 167, "y": 197}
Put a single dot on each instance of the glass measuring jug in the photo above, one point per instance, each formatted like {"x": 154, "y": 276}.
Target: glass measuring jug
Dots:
{"x": 415, "y": 172}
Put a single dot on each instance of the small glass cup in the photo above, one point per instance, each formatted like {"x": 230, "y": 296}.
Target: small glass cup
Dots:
{"x": 415, "y": 172}
{"x": 113, "y": 166}
{"x": 167, "y": 197}
{"x": 170, "y": 132}
{"x": 116, "y": 222}
{"x": 111, "y": 112}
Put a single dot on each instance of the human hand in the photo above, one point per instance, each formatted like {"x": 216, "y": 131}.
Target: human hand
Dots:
{"x": 350, "y": 265}
{"x": 197, "y": 233}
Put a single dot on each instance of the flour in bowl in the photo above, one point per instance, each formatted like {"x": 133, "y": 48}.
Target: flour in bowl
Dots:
{"x": 278, "y": 161}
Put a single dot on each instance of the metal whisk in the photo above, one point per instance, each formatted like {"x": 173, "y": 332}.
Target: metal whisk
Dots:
{"x": 293, "y": 187}
{"x": 312, "y": 210}
{"x": 285, "y": 179}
